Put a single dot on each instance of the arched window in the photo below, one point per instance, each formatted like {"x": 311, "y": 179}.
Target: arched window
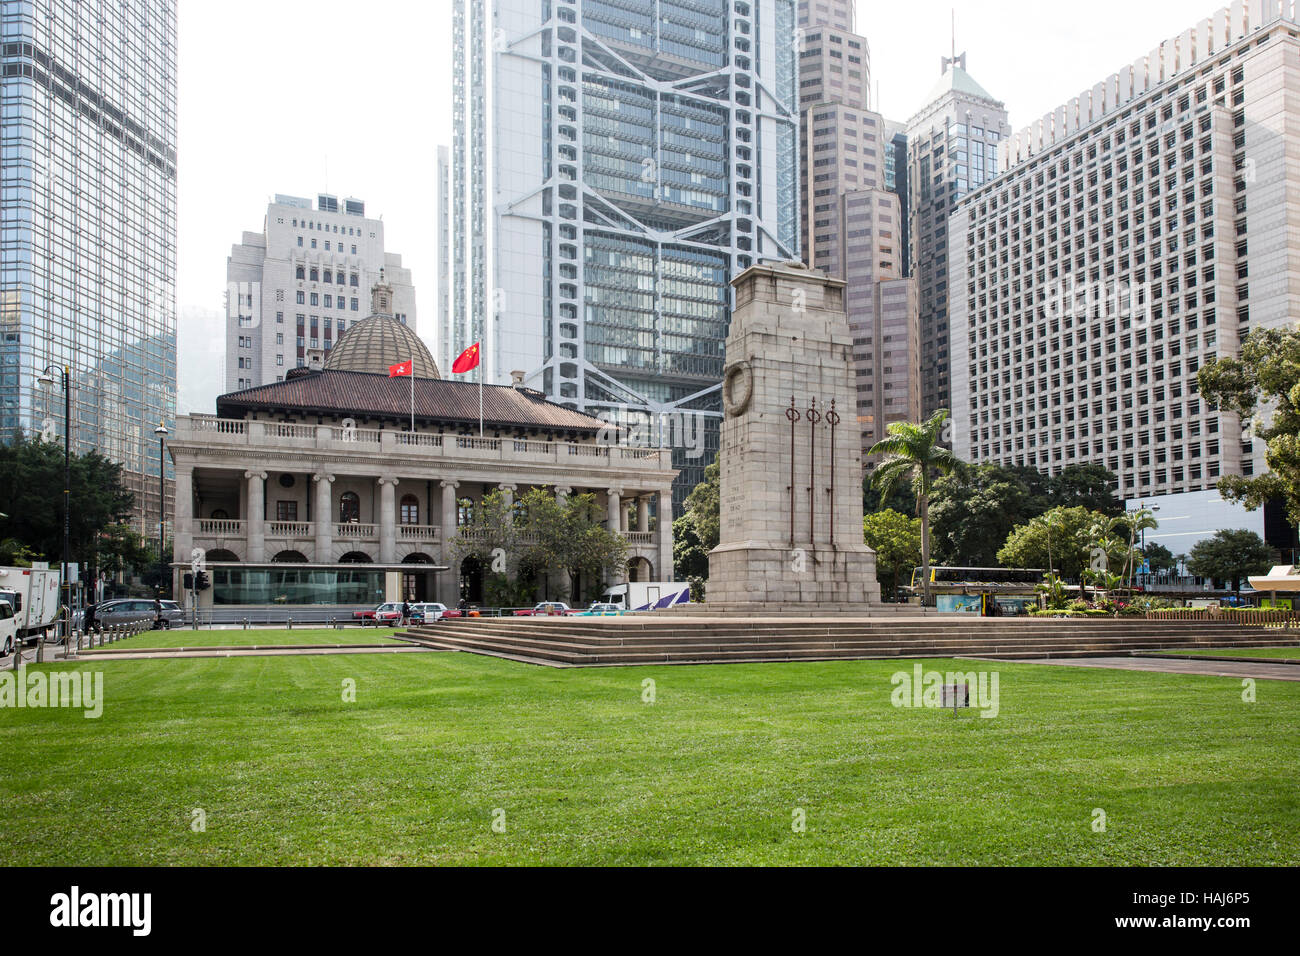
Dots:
{"x": 410, "y": 513}
{"x": 302, "y": 272}
{"x": 220, "y": 514}
{"x": 349, "y": 507}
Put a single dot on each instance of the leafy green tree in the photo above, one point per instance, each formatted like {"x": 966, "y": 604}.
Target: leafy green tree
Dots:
{"x": 974, "y": 508}
{"x": 1085, "y": 486}
{"x": 912, "y": 453}
{"x": 31, "y": 494}
{"x": 1267, "y": 376}
{"x": 538, "y": 535}
{"x": 896, "y": 539}
{"x": 1061, "y": 540}
{"x": 900, "y": 499}
{"x": 690, "y": 557}
{"x": 696, "y": 532}
{"x": 1159, "y": 557}
{"x": 1230, "y": 556}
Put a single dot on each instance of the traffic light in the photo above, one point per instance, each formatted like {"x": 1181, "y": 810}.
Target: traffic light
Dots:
{"x": 188, "y": 581}
{"x": 201, "y": 582}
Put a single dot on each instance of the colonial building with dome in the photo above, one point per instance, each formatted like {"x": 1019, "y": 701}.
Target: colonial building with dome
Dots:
{"x": 343, "y": 486}
{"x": 379, "y": 341}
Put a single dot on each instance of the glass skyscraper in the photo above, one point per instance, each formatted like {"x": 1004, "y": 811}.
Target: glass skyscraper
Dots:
{"x": 88, "y": 249}
{"x": 645, "y": 153}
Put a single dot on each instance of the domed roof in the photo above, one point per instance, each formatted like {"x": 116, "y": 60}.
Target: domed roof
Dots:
{"x": 374, "y": 344}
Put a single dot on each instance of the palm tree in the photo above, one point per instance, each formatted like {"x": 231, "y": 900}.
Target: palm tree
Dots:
{"x": 912, "y": 452}
{"x": 1134, "y": 522}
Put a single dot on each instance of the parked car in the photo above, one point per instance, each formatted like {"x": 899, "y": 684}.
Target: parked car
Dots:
{"x": 470, "y": 611}
{"x": 546, "y": 609}
{"x": 427, "y": 613}
{"x": 130, "y": 610}
{"x": 389, "y": 612}
{"x": 8, "y": 628}
{"x": 600, "y": 609}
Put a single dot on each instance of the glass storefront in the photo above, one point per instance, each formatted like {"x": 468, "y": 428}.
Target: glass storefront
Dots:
{"x": 270, "y": 585}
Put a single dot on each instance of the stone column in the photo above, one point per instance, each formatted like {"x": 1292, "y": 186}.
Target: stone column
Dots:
{"x": 387, "y": 520}
{"x": 508, "y": 499}
{"x": 664, "y": 532}
{"x": 183, "y": 521}
{"x": 558, "y": 583}
{"x": 643, "y": 513}
{"x": 324, "y": 518}
{"x": 254, "y": 527}
{"x": 614, "y": 503}
{"x": 449, "y": 580}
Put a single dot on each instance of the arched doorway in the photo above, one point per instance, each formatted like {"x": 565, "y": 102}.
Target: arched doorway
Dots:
{"x": 356, "y": 557}
{"x": 221, "y": 556}
{"x": 289, "y": 557}
{"x": 471, "y": 580}
{"x": 417, "y": 586}
{"x": 349, "y": 507}
{"x": 640, "y": 569}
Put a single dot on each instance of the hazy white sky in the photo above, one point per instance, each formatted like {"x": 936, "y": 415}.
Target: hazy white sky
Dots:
{"x": 295, "y": 97}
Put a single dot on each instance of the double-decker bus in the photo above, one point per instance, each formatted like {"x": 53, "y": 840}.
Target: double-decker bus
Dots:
{"x": 986, "y": 591}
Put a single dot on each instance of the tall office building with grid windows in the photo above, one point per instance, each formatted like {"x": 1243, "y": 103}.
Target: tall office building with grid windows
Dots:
{"x": 1134, "y": 233}
{"x": 644, "y": 153}
{"x": 295, "y": 288}
{"x": 952, "y": 148}
{"x": 855, "y": 214}
{"x": 88, "y": 248}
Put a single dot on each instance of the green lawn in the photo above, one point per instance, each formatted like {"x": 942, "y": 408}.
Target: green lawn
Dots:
{"x": 1293, "y": 652}
{"x": 587, "y": 773}
{"x": 269, "y": 635}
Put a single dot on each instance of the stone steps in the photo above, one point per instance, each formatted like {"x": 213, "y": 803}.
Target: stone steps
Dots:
{"x": 566, "y": 642}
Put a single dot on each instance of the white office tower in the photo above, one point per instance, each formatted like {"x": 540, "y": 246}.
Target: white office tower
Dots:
{"x": 644, "y": 152}
{"x": 1134, "y": 233}
{"x": 298, "y": 285}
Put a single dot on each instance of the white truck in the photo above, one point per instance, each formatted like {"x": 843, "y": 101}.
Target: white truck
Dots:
{"x": 647, "y": 595}
{"x": 33, "y": 593}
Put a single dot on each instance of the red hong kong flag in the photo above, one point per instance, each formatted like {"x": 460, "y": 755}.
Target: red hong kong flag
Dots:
{"x": 467, "y": 361}
{"x": 401, "y": 368}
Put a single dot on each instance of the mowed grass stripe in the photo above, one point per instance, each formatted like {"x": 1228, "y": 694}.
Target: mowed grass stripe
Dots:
{"x": 587, "y": 773}
{"x": 264, "y": 636}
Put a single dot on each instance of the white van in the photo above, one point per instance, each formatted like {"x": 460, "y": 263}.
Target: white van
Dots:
{"x": 8, "y": 629}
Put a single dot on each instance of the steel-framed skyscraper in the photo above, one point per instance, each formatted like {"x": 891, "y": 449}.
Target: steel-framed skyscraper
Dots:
{"x": 469, "y": 177}
{"x": 644, "y": 152}
{"x": 88, "y": 250}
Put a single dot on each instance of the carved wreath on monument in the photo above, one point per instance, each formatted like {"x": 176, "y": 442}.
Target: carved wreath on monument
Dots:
{"x": 737, "y": 388}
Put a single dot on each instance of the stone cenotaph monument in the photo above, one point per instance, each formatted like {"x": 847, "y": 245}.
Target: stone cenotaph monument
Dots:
{"x": 791, "y": 450}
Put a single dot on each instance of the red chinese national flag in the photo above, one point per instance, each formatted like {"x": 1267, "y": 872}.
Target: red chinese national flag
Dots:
{"x": 401, "y": 368}
{"x": 467, "y": 361}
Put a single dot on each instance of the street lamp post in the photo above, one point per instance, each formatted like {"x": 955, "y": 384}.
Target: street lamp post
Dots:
{"x": 161, "y": 432}
{"x": 46, "y": 378}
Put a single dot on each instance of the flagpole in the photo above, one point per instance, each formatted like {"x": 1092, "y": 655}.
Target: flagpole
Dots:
{"x": 480, "y": 400}
{"x": 412, "y": 397}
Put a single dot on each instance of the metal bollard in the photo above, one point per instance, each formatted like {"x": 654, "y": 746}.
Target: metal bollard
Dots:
{"x": 245, "y": 623}
{"x": 291, "y": 624}
{"x": 40, "y": 648}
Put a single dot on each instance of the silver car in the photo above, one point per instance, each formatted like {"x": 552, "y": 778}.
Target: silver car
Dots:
{"x": 129, "y": 610}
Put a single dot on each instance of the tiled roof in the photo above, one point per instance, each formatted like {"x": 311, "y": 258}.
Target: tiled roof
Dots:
{"x": 363, "y": 395}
